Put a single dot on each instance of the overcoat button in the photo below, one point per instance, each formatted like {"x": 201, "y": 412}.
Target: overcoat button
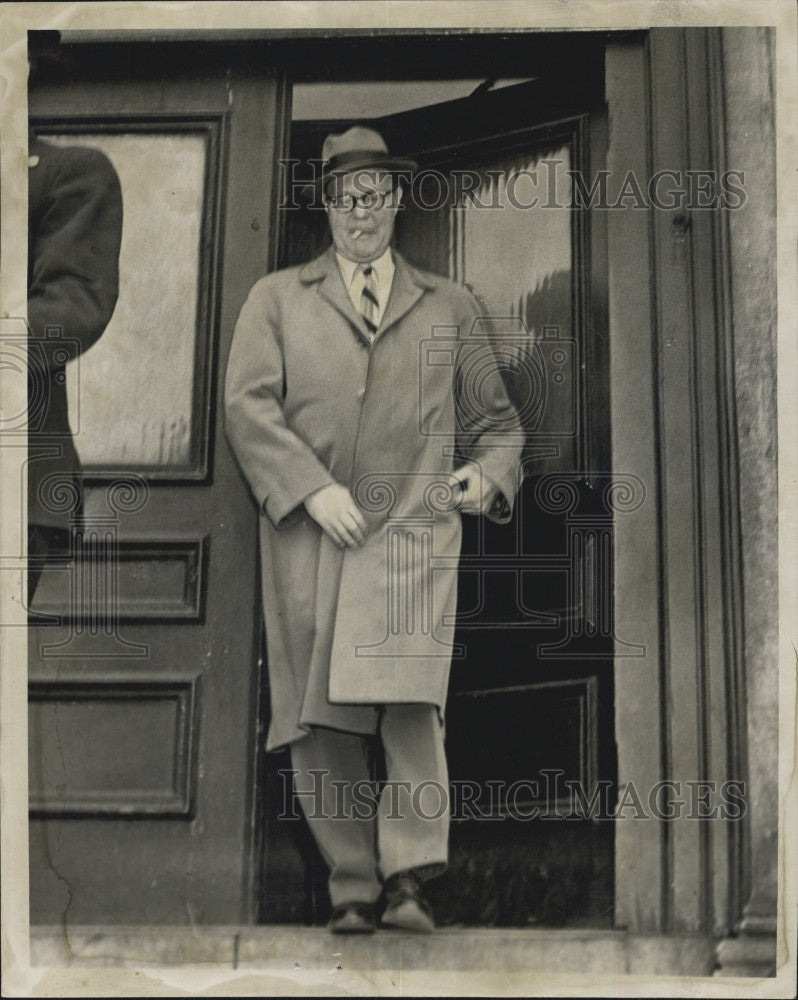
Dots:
{"x": 361, "y": 393}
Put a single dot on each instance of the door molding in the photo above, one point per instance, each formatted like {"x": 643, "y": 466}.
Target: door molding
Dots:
{"x": 213, "y": 127}
{"x": 677, "y": 581}
{"x": 175, "y": 733}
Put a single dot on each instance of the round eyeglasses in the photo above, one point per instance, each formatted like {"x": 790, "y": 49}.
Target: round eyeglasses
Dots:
{"x": 372, "y": 200}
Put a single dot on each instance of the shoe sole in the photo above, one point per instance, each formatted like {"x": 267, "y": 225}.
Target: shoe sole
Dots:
{"x": 398, "y": 924}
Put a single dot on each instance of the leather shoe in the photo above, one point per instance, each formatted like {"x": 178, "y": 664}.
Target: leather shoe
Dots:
{"x": 353, "y": 918}
{"x": 405, "y": 909}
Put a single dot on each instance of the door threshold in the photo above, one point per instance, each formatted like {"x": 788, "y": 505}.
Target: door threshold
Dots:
{"x": 289, "y": 949}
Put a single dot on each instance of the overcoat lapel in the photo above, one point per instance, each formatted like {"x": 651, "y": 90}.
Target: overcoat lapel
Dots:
{"x": 325, "y": 271}
{"x": 407, "y": 288}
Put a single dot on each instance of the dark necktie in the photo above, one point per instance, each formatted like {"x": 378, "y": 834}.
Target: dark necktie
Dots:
{"x": 369, "y": 302}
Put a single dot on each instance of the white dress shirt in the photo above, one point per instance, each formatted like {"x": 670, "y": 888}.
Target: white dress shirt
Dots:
{"x": 354, "y": 280}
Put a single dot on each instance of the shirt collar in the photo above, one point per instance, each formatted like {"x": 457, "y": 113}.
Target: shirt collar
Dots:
{"x": 383, "y": 269}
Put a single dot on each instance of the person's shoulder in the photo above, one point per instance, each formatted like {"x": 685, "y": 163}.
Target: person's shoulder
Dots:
{"x": 431, "y": 279}
{"x": 298, "y": 277}
{"x": 276, "y": 291}
{"x": 67, "y": 161}
{"x": 275, "y": 282}
{"x": 458, "y": 296}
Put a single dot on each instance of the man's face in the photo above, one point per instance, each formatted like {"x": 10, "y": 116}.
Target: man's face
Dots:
{"x": 363, "y": 233}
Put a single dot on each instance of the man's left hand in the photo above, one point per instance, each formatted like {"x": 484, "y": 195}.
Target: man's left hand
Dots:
{"x": 476, "y": 492}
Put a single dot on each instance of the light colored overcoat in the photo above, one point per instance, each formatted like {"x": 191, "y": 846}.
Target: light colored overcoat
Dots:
{"x": 310, "y": 400}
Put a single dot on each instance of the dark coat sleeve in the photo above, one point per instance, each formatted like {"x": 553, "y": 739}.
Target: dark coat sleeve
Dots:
{"x": 75, "y": 228}
{"x": 281, "y": 468}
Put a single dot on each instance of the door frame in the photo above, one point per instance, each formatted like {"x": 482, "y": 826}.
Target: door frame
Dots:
{"x": 680, "y": 708}
{"x": 656, "y": 873}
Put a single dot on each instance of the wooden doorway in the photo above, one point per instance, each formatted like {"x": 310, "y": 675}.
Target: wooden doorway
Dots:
{"x": 534, "y": 676}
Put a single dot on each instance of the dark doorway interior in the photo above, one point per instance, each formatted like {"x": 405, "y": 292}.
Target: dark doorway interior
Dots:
{"x": 531, "y": 699}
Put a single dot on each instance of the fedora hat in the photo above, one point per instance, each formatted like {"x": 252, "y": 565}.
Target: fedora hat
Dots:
{"x": 358, "y": 148}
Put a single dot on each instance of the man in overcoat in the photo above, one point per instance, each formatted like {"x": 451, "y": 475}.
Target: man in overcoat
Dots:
{"x": 367, "y": 410}
{"x": 74, "y": 238}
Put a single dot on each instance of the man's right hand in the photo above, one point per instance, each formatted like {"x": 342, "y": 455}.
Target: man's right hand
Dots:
{"x": 334, "y": 510}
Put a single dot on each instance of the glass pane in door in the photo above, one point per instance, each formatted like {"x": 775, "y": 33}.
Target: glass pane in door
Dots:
{"x": 132, "y": 394}
{"x": 511, "y": 244}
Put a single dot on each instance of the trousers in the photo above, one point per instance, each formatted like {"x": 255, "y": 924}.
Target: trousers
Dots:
{"x": 367, "y": 833}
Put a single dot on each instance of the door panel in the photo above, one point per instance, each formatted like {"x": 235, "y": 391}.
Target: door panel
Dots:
{"x": 144, "y": 644}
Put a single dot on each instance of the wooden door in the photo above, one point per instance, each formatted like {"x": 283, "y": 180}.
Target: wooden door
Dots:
{"x": 533, "y": 672}
{"x": 530, "y": 704}
{"x": 144, "y": 643}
